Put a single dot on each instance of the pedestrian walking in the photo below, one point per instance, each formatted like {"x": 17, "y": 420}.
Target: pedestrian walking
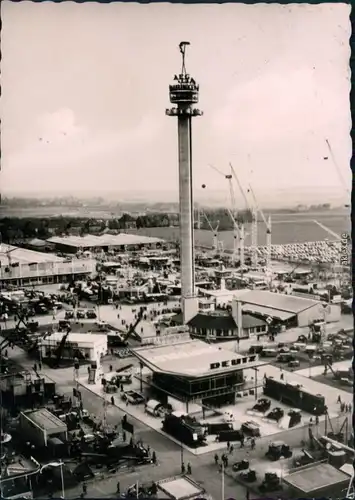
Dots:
{"x": 112, "y": 401}
{"x": 339, "y": 399}
{"x": 231, "y": 449}
{"x": 85, "y": 488}
{"x": 228, "y": 445}
{"x": 183, "y": 469}
{"x": 216, "y": 459}
{"x": 226, "y": 461}
{"x": 118, "y": 488}
{"x": 154, "y": 458}
{"x": 189, "y": 469}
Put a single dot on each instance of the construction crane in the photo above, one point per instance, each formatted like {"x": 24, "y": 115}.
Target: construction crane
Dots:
{"x": 238, "y": 234}
{"x": 60, "y": 348}
{"x": 131, "y": 332}
{"x": 215, "y": 245}
{"x": 268, "y": 230}
{"x": 254, "y": 226}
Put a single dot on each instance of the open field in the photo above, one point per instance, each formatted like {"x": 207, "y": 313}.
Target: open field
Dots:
{"x": 284, "y": 230}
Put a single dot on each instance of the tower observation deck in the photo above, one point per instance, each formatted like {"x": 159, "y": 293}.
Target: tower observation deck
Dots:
{"x": 184, "y": 93}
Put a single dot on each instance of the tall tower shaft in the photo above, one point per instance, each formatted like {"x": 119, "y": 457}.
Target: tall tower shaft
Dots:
{"x": 184, "y": 93}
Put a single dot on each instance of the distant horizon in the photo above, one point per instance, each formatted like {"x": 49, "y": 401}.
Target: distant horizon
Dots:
{"x": 292, "y": 197}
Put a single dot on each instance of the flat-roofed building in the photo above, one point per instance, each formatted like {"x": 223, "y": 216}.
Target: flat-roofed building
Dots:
{"x": 196, "y": 371}
{"x": 288, "y": 309}
{"x": 89, "y": 346}
{"x": 317, "y": 481}
{"x": 90, "y": 242}
{"x": 21, "y": 267}
{"x": 40, "y": 425}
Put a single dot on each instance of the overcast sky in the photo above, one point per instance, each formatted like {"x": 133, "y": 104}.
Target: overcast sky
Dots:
{"x": 85, "y": 87}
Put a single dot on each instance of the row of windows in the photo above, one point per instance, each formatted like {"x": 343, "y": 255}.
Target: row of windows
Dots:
{"x": 229, "y": 333}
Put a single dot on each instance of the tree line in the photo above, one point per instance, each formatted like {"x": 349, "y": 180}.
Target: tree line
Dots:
{"x": 15, "y": 229}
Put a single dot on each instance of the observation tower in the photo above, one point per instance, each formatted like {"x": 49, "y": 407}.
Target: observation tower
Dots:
{"x": 184, "y": 93}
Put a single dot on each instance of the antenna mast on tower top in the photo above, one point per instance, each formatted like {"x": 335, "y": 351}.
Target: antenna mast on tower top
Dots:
{"x": 182, "y": 47}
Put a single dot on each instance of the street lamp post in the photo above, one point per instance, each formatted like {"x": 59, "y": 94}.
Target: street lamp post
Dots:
{"x": 56, "y": 464}
{"x": 222, "y": 492}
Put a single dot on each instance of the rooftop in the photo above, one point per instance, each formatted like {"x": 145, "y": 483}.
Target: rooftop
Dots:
{"x": 20, "y": 465}
{"x": 45, "y": 419}
{"x": 315, "y": 478}
{"x": 79, "y": 338}
{"x": 225, "y": 293}
{"x": 215, "y": 321}
{"x": 89, "y": 240}
{"x": 280, "y": 301}
{"x": 267, "y": 311}
{"x": 192, "y": 358}
{"x": 10, "y": 254}
{"x": 180, "y": 488}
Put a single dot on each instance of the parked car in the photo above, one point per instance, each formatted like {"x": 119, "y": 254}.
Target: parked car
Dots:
{"x": 251, "y": 428}
{"x": 275, "y": 414}
{"x": 91, "y": 314}
{"x": 278, "y": 450}
{"x": 69, "y": 314}
{"x": 133, "y": 397}
{"x": 242, "y": 465}
{"x": 262, "y": 405}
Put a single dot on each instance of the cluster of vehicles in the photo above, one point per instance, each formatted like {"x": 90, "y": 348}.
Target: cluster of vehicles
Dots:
{"x": 277, "y": 450}
{"x": 280, "y": 351}
{"x": 262, "y": 408}
{"x": 32, "y": 302}
{"x": 80, "y": 314}
{"x": 315, "y": 346}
